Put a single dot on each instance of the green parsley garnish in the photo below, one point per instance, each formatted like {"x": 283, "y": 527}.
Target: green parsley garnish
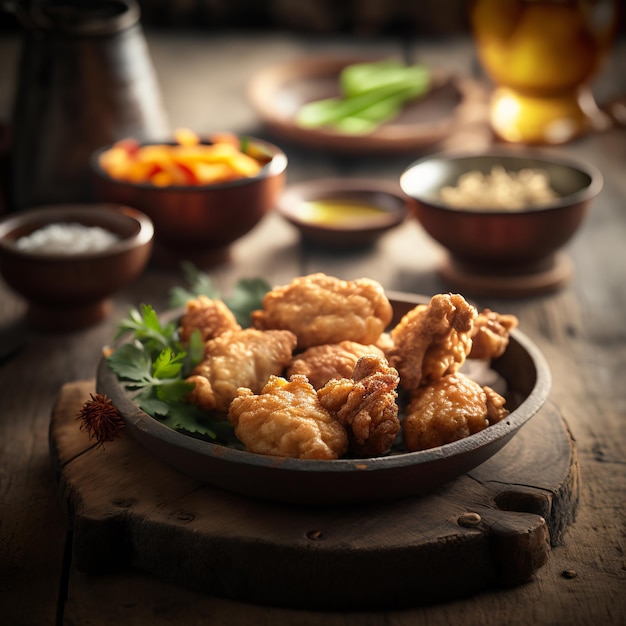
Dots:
{"x": 154, "y": 365}
{"x": 199, "y": 284}
{"x": 247, "y": 294}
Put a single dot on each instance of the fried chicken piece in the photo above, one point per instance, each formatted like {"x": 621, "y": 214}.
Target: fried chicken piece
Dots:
{"x": 385, "y": 342}
{"x": 321, "y": 309}
{"x": 496, "y": 409}
{"x": 366, "y": 405}
{"x": 286, "y": 419}
{"x": 321, "y": 363}
{"x": 449, "y": 409}
{"x": 211, "y": 317}
{"x": 490, "y": 335}
{"x": 239, "y": 358}
{"x": 432, "y": 340}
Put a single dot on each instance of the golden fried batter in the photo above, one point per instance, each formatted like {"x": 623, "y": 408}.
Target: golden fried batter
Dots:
{"x": 211, "y": 317}
{"x": 449, "y": 409}
{"x": 286, "y": 419}
{"x": 366, "y": 405}
{"x": 490, "y": 335}
{"x": 432, "y": 341}
{"x": 239, "y": 358}
{"x": 321, "y": 363}
{"x": 496, "y": 409}
{"x": 322, "y": 309}
{"x": 385, "y": 342}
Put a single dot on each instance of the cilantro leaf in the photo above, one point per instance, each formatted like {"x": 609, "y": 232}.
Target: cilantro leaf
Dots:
{"x": 168, "y": 364}
{"x": 187, "y": 418}
{"x": 247, "y": 296}
{"x": 174, "y": 391}
{"x": 154, "y": 365}
{"x": 190, "y": 420}
{"x": 184, "y": 417}
{"x": 195, "y": 352}
{"x": 131, "y": 362}
{"x": 199, "y": 284}
{"x": 160, "y": 389}
{"x": 158, "y": 382}
{"x": 147, "y": 328}
{"x": 148, "y": 401}
{"x": 167, "y": 399}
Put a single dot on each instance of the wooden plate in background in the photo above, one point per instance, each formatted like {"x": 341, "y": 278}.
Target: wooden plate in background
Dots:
{"x": 277, "y": 92}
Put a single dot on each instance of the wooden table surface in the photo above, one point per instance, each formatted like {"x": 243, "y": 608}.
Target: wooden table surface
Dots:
{"x": 581, "y": 330}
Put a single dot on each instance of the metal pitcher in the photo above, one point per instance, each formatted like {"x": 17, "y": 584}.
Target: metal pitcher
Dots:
{"x": 85, "y": 80}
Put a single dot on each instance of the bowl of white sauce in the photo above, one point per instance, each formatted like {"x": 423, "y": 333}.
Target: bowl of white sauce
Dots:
{"x": 67, "y": 261}
{"x": 503, "y": 216}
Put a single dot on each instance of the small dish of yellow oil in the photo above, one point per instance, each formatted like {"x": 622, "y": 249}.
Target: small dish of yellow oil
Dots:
{"x": 340, "y": 211}
{"x": 344, "y": 213}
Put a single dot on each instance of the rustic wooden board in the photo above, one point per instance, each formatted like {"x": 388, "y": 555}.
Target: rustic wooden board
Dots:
{"x": 491, "y": 528}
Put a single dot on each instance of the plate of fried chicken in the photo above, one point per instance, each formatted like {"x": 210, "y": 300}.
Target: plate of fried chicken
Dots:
{"x": 339, "y": 392}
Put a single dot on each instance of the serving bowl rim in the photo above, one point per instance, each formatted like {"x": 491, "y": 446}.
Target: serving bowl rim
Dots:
{"x": 596, "y": 181}
{"x": 66, "y": 213}
{"x": 274, "y": 167}
{"x": 319, "y": 189}
{"x": 107, "y": 382}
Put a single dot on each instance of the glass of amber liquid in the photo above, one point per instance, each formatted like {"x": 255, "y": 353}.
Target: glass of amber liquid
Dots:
{"x": 541, "y": 56}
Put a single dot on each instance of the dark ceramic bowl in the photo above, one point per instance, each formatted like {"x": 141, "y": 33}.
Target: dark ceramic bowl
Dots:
{"x": 344, "y": 481}
{"x": 501, "y": 242}
{"x": 71, "y": 291}
{"x": 199, "y": 223}
{"x": 386, "y": 197}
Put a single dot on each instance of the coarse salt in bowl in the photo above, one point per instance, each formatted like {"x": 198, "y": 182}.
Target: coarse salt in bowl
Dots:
{"x": 67, "y": 261}
{"x": 67, "y": 238}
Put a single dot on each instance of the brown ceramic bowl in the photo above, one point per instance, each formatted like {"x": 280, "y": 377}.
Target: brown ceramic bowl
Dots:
{"x": 71, "y": 291}
{"x": 198, "y": 223}
{"x": 502, "y": 246}
{"x": 344, "y": 481}
{"x": 315, "y": 208}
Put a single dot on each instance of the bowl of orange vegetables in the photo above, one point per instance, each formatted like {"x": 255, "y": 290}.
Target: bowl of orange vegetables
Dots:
{"x": 202, "y": 193}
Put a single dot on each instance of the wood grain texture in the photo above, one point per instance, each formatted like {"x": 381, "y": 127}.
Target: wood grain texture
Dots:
{"x": 127, "y": 508}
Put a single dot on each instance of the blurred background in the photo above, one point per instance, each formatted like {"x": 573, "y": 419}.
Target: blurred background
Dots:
{"x": 352, "y": 20}
{"x": 359, "y": 17}
{"x": 421, "y": 18}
